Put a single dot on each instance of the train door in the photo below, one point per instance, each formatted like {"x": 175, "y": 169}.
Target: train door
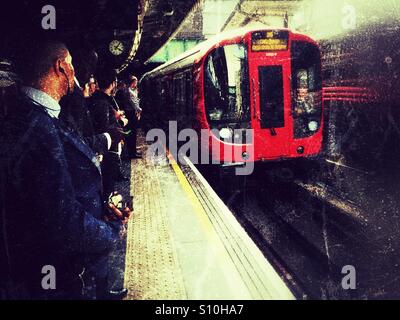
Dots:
{"x": 269, "y": 65}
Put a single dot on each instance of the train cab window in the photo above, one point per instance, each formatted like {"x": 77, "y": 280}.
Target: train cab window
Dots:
{"x": 226, "y": 85}
{"x": 306, "y": 88}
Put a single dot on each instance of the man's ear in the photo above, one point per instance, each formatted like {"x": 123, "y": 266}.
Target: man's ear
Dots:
{"x": 58, "y": 69}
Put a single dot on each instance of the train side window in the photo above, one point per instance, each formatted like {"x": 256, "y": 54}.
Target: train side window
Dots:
{"x": 179, "y": 94}
{"x": 176, "y": 94}
{"x": 226, "y": 85}
{"x": 169, "y": 93}
{"x": 182, "y": 94}
{"x": 189, "y": 94}
{"x": 162, "y": 93}
{"x": 167, "y": 97}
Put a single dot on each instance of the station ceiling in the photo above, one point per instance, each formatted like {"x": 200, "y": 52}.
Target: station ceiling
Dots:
{"x": 136, "y": 28}
{"x": 266, "y": 12}
{"x": 161, "y": 21}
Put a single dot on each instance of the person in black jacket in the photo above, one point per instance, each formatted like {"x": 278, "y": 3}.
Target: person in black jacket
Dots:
{"x": 104, "y": 119}
{"x": 52, "y": 200}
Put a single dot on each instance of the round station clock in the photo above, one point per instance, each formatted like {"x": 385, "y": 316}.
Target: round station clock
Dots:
{"x": 116, "y": 47}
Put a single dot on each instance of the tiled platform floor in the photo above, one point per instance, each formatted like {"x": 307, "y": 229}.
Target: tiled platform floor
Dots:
{"x": 177, "y": 247}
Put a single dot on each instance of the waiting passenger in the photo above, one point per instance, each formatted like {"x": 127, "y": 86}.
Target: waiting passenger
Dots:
{"x": 93, "y": 86}
{"x": 51, "y": 184}
{"x": 128, "y": 97}
{"x": 104, "y": 119}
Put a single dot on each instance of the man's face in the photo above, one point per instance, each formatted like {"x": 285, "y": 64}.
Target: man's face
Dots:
{"x": 133, "y": 84}
{"x": 92, "y": 87}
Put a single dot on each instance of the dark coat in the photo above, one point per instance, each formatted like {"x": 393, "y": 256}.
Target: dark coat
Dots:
{"x": 101, "y": 108}
{"x": 53, "y": 201}
{"x": 75, "y": 113}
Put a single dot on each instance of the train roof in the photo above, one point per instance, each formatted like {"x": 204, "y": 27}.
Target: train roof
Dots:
{"x": 191, "y": 56}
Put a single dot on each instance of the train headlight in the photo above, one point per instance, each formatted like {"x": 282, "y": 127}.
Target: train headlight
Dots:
{"x": 313, "y": 126}
{"x": 226, "y": 133}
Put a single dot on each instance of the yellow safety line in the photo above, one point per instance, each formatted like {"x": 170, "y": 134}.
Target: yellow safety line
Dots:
{"x": 206, "y": 223}
{"x": 211, "y": 234}
{"x": 204, "y": 219}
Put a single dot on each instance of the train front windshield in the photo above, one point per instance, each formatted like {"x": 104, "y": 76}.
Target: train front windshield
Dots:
{"x": 306, "y": 88}
{"x": 226, "y": 86}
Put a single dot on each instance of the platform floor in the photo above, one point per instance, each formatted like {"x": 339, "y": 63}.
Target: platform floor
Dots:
{"x": 183, "y": 243}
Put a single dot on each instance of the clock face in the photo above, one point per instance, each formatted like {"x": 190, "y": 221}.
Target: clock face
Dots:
{"x": 116, "y": 47}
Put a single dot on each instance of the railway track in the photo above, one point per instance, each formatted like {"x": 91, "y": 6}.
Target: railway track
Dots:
{"x": 310, "y": 233}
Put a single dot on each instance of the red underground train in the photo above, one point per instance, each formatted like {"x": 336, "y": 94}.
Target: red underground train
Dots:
{"x": 268, "y": 81}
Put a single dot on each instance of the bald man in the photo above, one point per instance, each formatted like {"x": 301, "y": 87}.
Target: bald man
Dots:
{"x": 56, "y": 239}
